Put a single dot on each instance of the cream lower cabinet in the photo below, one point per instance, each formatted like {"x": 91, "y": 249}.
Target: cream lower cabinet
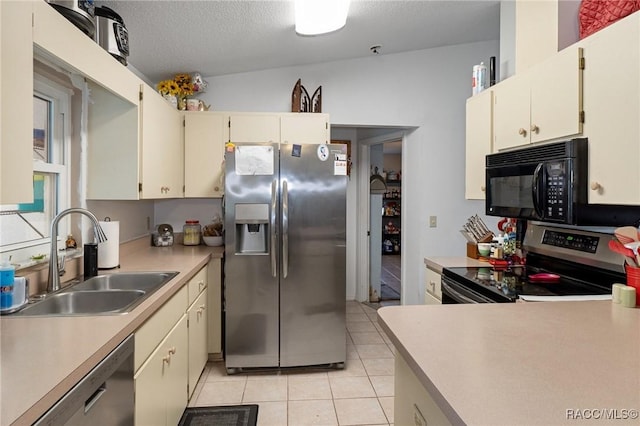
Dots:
{"x": 161, "y": 361}
{"x": 541, "y": 104}
{"x": 197, "y": 324}
{"x": 214, "y": 305}
{"x": 412, "y": 404}
{"x": 612, "y": 107}
{"x": 16, "y": 110}
{"x": 433, "y": 288}
{"x": 479, "y": 136}
{"x": 205, "y": 134}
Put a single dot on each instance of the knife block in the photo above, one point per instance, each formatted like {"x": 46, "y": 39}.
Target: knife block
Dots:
{"x": 472, "y": 250}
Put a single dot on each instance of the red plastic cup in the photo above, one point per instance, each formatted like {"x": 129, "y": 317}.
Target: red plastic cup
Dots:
{"x": 633, "y": 280}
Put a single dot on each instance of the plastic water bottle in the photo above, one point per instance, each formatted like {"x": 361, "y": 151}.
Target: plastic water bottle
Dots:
{"x": 7, "y": 277}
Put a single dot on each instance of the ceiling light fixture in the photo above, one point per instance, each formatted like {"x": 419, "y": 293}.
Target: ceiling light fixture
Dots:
{"x": 314, "y": 17}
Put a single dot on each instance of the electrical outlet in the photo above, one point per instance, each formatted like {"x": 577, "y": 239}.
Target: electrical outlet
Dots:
{"x": 433, "y": 221}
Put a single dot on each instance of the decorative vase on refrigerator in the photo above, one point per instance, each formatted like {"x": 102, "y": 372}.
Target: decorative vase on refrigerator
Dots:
{"x": 285, "y": 255}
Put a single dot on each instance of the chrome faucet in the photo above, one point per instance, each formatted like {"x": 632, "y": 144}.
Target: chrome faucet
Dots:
{"x": 54, "y": 269}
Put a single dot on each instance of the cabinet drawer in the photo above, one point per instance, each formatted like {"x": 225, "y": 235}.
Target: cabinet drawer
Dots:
{"x": 151, "y": 333}
{"x": 433, "y": 283}
{"x": 197, "y": 284}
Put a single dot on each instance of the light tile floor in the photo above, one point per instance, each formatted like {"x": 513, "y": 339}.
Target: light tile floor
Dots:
{"x": 361, "y": 394}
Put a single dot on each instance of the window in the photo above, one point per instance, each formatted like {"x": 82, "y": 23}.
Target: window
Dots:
{"x": 25, "y": 228}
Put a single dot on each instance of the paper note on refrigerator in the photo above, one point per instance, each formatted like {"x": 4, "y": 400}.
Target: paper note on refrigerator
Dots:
{"x": 340, "y": 168}
{"x": 254, "y": 160}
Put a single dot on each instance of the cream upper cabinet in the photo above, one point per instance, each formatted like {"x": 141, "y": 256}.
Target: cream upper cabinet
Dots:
{"x": 542, "y": 104}
{"x": 254, "y": 127}
{"x": 479, "y": 134}
{"x": 161, "y": 134}
{"x": 205, "y": 134}
{"x": 16, "y": 112}
{"x": 612, "y": 106}
{"x": 301, "y": 128}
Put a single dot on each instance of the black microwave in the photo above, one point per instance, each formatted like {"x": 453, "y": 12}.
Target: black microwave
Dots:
{"x": 549, "y": 183}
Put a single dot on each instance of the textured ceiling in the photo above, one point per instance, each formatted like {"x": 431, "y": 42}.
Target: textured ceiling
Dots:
{"x": 227, "y": 37}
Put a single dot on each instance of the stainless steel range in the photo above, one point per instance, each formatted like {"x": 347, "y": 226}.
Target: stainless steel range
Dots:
{"x": 562, "y": 264}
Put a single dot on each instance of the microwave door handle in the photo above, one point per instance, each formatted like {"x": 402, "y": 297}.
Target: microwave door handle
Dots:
{"x": 535, "y": 190}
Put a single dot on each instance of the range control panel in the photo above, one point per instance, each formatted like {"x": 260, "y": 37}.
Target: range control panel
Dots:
{"x": 571, "y": 241}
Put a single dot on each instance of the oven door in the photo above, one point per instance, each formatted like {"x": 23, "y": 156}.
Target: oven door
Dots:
{"x": 454, "y": 292}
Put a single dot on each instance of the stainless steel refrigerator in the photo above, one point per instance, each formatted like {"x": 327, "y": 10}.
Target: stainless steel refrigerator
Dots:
{"x": 285, "y": 255}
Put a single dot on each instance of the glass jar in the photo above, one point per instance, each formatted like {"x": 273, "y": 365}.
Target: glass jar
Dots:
{"x": 191, "y": 232}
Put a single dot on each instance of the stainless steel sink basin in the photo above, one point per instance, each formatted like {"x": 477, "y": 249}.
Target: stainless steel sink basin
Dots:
{"x": 145, "y": 281}
{"x": 109, "y": 294}
{"x": 85, "y": 303}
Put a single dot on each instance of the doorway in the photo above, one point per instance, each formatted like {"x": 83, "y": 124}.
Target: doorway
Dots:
{"x": 386, "y": 224}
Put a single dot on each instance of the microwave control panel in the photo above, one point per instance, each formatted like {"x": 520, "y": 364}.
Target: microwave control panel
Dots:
{"x": 556, "y": 190}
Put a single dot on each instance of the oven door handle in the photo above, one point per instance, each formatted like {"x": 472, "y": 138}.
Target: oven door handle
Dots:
{"x": 460, "y": 298}
{"x": 535, "y": 190}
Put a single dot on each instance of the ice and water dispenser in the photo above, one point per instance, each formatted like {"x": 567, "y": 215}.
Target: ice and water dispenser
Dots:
{"x": 252, "y": 228}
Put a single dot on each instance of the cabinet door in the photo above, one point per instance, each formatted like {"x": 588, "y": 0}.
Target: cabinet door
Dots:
{"x": 204, "y": 139}
{"x": 16, "y": 108}
{"x": 197, "y": 339}
{"x": 150, "y": 391}
{"x": 176, "y": 377}
{"x": 254, "y": 127}
{"x": 511, "y": 113}
{"x": 478, "y": 143}
{"x": 612, "y": 107}
{"x": 300, "y": 128}
{"x": 162, "y": 147}
{"x": 434, "y": 283}
{"x": 214, "y": 307}
{"x": 556, "y": 96}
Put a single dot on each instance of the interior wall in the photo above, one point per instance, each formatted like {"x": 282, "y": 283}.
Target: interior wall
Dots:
{"x": 425, "y": 89}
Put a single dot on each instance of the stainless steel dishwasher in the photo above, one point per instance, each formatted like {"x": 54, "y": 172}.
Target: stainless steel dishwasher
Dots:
{"x": 102, "y": 397}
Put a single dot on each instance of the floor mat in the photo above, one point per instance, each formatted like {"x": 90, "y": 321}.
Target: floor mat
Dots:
{"x": 230, "y": 415}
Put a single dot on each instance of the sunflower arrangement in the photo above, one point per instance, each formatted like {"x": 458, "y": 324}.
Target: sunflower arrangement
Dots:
{"x": 180, "y": 86}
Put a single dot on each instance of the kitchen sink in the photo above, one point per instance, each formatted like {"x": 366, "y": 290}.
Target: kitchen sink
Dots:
{"x": 85, "y": 303}
{"x": 145, "y": 281}
{"x": 109, "y": 294}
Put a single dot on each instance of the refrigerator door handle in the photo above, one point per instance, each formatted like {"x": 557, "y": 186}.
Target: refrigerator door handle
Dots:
{"x": 285, "y": 229}
{"x": 274, "y": 242}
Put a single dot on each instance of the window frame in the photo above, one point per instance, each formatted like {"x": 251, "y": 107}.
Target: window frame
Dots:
{"x": 58, "y": 165}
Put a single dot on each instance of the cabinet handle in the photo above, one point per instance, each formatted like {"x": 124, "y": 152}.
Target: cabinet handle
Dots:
{"x": 200, "y": 310}
{"x": 483, "y": 188}
{"x": 535, "y": 129}
{"x": 522, "y": 132}
{"x": 433, "y": 285}
{"x": 596, "y": 186}
{"x": 167, "y": 189}
{"x": 166, "y": 359}
{"x": 216, "y": 188}
{"x": 201, "y": 284}
{"x": 172, "y": 351}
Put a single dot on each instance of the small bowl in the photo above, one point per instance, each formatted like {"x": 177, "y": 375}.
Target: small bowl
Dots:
{"x": 213, "y": 241}
{"x": 484, "y": 249}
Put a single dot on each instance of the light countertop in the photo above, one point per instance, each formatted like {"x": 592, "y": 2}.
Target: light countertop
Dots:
{"x": 525, "y": 363}
{"x": 436, "y": 263}
{"x": 41, "y": 358}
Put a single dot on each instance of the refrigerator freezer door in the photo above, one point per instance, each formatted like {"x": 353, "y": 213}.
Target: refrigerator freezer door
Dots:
{"x": 251, "y": 281}
{"x": 312, "y": 295}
